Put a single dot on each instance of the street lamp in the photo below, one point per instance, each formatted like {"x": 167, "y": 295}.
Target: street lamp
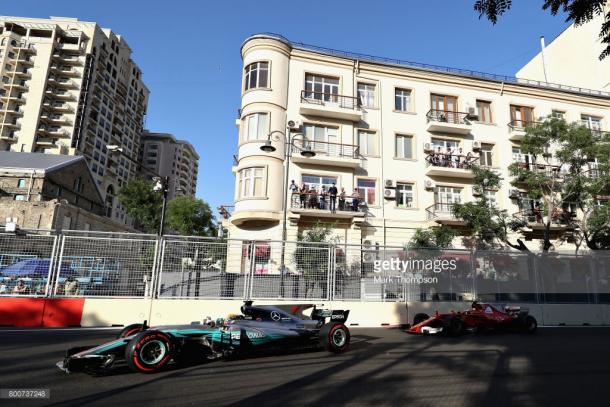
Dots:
{"x": 306, "y": 152}
{"x": 161, "y": 182}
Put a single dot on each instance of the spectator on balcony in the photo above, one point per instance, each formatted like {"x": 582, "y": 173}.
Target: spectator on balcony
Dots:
{"x": 323, "y": 195}
{"x": 342, "y": 199}
{"x": 332, "y": 192}
{"x": 458, "y": 158}
{"x": 355, "y": 200}
{"x": 448, "y": 157}
{"x": 293, "y": 188}
{"x": 313, "y": 198}
{"x": 468, "y": 160}
{"x": 303, "y": 195}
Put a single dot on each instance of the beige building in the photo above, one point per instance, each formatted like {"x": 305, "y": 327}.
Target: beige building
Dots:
{"x": 169, "y": 157}
{"x": 71, "y": 87}
{"x": 572, "y": 58}
{"x": 52, "y": 192}
{"x": 372, "y": 123}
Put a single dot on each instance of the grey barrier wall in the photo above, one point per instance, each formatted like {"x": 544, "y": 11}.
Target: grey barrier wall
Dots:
{"x": 93, "y": 264}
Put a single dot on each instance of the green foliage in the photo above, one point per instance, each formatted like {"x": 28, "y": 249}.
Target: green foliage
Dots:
{"x": 190, "y": 216}
{"x": 437, "y": 237}
{"x": 142, "y": 203}
{"x": 311, "y": 244}
{"x": 578, "y": 11}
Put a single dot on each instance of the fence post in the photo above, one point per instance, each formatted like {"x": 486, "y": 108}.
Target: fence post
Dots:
{"x": 157, "y": 269}
{"x": 252, "y": 257}
{"x": 329, "y": 273}
{"x": 52, "y": 269}
{"x": 473, "y": 270}
{"x": 531, "y": 262}
{"x": 594, "y": 277}
{"x": 59, "y": 262}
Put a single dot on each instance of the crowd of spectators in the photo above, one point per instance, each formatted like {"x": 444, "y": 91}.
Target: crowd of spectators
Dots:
{"x": 331, "y": 199}
{"x": 451, "y": 158}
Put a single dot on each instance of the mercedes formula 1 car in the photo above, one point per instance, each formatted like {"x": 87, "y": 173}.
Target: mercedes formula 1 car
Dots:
{"x": 479, "y": 318}
{"x": 259, "y": 328}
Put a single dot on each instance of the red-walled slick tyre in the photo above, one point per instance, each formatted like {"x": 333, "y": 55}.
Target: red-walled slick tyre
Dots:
{"x": 149, "y": 352}
{"x": 335, "y": 338}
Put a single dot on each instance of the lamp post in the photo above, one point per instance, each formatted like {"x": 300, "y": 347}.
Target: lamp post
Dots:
{"x": 305, "y": 152}
{"x": 161, "y": 182}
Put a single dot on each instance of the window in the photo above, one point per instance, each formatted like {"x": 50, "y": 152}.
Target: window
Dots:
{"x": 256, "y": 127}
{"x": 443, "y": 103}
{"x": 485, "y": 155}
{"x": 445, "y": 197}
{"x": 316, "y": 182}
{"x": 521, "y": 116}
{"x": 19, "y": 197}
{"x": 490, "y": 197}
{"x": 21, "y": 183}
{"x": 322, "y": 139}
{"x": 257, "y": 75}
{"x": 367, "y": 143}
{"x": 77, "y": 187}
{"x": 404, "y": 195}
{"x": 402, "y": 100}
{"x": 366, "y": 93}
{"x": 366, "y": 189}
{"x": 404, "y": 146}
{"x": 593, "y": 123}
{"x": 444, "y": 144}
{"x": 321, "y": 88}
{"x": 484, "y": 111}
{"x": 558, "y": 114}
{"x": 251, "y": 182}
{"x": 67, "y": 222}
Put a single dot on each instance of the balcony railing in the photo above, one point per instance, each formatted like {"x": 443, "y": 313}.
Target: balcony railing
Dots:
{"x": 552, "y": 171}
{"x": 322, "y": 98}
{"x": 327, "y": 149}
{"x": 520, "y": 125}
{"x": 445, "y": 116}
{"x": 535, "y": 216}
{"x": 313, "y": 201}
{"x": 441, "y": 210}
{"x": 446, "y": 160}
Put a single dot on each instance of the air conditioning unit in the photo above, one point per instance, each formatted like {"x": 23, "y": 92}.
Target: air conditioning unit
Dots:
{"x": 368, "y": 257}
{"x": 389, "y": 193}
{"x": 428, "y": 147}
{"x": 476, "y": 190}
{"x": 428, "y": 184}
{"x": 473, "y": 114}
{"x": 294, "y": 124}
{"x": 476, "y": 145}
{"x": 514, "y": 194}
{"x": 389, "y": 183}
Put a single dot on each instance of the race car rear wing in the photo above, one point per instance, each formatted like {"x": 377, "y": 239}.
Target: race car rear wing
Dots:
{"x": 336, "y": 315}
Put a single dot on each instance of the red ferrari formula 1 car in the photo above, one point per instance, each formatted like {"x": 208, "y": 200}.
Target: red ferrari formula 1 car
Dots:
{"x": 479, "y": 318}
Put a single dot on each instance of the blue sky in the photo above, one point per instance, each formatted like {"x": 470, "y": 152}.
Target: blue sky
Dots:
{"x": 189, "y": 51}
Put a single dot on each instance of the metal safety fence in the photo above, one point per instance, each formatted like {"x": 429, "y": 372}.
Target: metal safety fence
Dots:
{"x": 107, "y": 265}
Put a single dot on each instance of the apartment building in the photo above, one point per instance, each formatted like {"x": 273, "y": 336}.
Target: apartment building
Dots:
{"x": 572, "y": 58}
{"x": 169, "y": 157}
{"x": 71, "y": 87}
{"x": 372, "y": 123}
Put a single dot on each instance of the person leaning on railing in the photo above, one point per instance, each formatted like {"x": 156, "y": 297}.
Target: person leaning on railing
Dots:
{"x": 303, "y": 195}
{"x": 342, "y": 199}
{"x": 355, "y": 200}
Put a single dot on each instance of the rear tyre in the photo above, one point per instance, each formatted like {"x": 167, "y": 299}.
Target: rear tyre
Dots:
{"x": 335, "y": 338}
{"x": 419, "y": 318}
{"x": 130, "y": 330}
{"x": 149, "y": 351}
{"x": 530, "y": 324}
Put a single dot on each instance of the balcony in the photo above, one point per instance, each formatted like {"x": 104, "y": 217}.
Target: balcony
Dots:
{"x": 70, "y": 47}
{"x": 448, "y": 122}
{"x": 455, "y": 166}
{"x": 25, "y": 47}
{"x": 330, "y": 105}
{"x": 312, "y": 205}
{"x": 65, "y": 70}
{"x": 533, "y": 219}
{"x": 552, "y": 172}
{"x": 56, "y": 119}
{"x": 516, "y": 129}
{"x": 13, "y": 112}
{"x": 63, "y": 82}
{"x": 15, "y": 85}
{"x": 442, "y": 213}
{"x": 26, "y": 62}
{"x": 328, "y": 154}
{"x": 14, "y": 126}
{"x": 45, "y": 141}
{"x": 8, "y": 138}
{"x": 59, "y": 107}
{"x": 68, "y": 60}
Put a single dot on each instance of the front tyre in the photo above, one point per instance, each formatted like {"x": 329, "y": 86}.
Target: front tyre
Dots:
{"x": 335, "y": 338}
{"x": 530, "y": 324}
{"x": 130, "y": 330}
{"x": 149, "y": 352}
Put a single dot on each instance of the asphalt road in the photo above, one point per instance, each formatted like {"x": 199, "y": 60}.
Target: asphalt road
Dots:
{"x": 554, "y": 367}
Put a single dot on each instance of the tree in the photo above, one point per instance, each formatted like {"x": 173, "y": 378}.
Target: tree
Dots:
{"x": 568, "y": 171}
{"x": 489, "y": 227}
{"x": 142, "y": 203}
{"x": 190, "y": 216}
{"x": 436, "y": 237}
{"x": 312, "y": 244}
{"x": 579, "y": 12}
